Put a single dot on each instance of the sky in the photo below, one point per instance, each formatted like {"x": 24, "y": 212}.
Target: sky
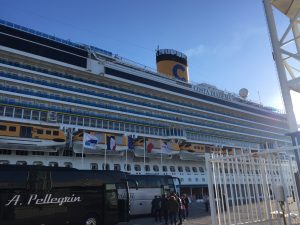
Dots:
{"x": 227, "y": 42}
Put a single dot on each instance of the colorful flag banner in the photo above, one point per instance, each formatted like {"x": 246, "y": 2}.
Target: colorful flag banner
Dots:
{"x": 130, "y": 142}
{"x": 111, "y": 143}
{"x": 89, "y": 141}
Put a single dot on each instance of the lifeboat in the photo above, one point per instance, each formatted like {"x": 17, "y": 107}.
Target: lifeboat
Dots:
{"x": 155, "y": 148}
{"x": 17, "y": 136}
{"x": 192, "y": 151}
{"x": 109, "y": 144}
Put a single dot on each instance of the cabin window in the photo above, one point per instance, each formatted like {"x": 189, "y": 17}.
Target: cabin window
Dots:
{"x": 94, "y": 166}
{"x": 43, "y": 116}
{"x": 137, "y": 167}
{"x": 18, "y": 113}
{"x": 93, "y": 123}
{"x": 39, "y": 131}
{"x": 180, "y": 169}
{"x": 1, "y": 110}
{"x": 105, "y": 166}
{"x": 9, "y": 111}
{"x": 165, "y": 169}
{"x": 21, "y": 163}
{"x": 26, "y": 114}
{"x": 38, "y": 153}
{"x": 54, "y": 153}
{"x": 53, "y": 164}
{"x": 2, "y": 127}
{"x": 194, "y": 169}
{"x": 35, "y": 115}
{"x": 68, "y": 164}
{"x": 48, "y": 132}
{"x": 117, "y": 167}
{"x": 201, "y": 169}
{"x": 127, "y": 167}
{"x": 156, "y": 168}
{"x": 55, "y": 133}
{"x": 172, "y": 168}
{"x": 66, "y": 119}
{"x": 21, "y": 152}
{"x": 5, "y": 152}
{"x": 187, "y": 169}
{"x": 147, "y": 168}
{"x": 86, "y": 122}
{"x": 67, "y": 153}
{"x": 80, "y": 121}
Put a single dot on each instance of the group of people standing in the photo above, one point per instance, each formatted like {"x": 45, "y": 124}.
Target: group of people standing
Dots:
{"x": 172, "y": 208}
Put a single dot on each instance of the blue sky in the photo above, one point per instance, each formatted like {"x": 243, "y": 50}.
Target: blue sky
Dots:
{"x": 227, "y": 42}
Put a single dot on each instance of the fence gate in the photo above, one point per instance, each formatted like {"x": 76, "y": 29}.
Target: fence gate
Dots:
{"x": 253, "y": 188}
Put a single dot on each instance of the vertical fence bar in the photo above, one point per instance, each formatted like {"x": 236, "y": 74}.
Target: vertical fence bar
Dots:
{"x": 210, "y": 188}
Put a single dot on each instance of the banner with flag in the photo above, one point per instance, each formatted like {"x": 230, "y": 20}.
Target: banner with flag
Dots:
{"x": 89, "y": 141}
{"x": 111, "y": 143}
{"x": 130, "y": 142}
{"x": 149, "y": 146}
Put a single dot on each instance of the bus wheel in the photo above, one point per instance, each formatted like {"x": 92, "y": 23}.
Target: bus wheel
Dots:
{"x": 91, "y": 220}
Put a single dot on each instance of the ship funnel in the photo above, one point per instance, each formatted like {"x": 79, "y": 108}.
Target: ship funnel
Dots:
{"x": 172, "y": 63}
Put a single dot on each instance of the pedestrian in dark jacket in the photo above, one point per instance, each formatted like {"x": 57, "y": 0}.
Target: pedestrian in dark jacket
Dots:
{"x": 173, "y": 208}
{"x": 180, "y": 209}
{"x": 186, "y": 203}
{"x": 164, "y": 208}
{"x": 156, "y": 204}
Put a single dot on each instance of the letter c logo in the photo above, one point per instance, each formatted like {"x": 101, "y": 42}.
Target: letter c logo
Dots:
{"x": 175, "y": 70}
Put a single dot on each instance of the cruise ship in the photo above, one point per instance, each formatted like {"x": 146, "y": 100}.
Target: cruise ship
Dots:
{"x": 55, "y": 91}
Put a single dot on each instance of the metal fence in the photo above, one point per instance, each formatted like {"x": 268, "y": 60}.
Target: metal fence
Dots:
{"x": 253, "y": 188}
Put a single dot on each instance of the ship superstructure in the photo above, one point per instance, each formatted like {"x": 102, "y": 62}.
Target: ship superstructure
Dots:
{"x": 146, "y": 121}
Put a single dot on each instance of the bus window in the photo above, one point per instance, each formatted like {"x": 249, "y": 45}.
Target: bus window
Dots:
{"x": 111, "y": 198}
{"x": 39, "y": 181}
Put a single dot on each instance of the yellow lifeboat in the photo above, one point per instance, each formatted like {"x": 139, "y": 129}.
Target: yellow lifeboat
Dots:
{"x": 19, "y": 136}
{"x": 192, "y": 151}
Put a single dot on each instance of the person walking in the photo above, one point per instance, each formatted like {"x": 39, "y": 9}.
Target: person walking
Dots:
{"x": 157, "y": 208}
{"x": 206, "y": 202}
{"x": 173, "y": 208}
{"x": 180, "y": 209}
{"x": 164, "y": 208}
{"x": 186, "y": 203}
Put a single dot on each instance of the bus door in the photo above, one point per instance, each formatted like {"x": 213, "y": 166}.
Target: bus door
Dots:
{"x": 111, "y": 210}
{"x": 123, "y": 202}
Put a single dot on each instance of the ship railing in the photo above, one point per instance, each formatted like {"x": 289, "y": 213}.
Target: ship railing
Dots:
{"x": 51, "y": 37}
